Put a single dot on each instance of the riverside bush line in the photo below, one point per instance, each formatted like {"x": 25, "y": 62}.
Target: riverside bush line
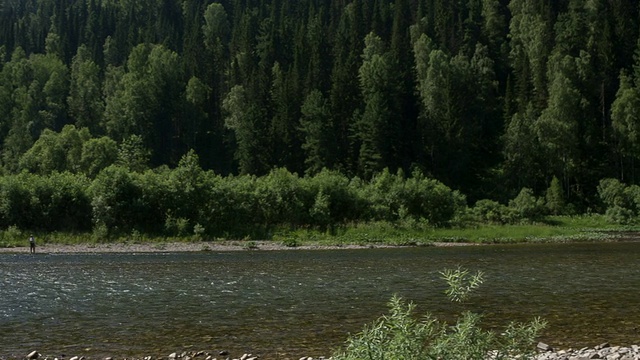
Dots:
{"x": 188, "y": 202}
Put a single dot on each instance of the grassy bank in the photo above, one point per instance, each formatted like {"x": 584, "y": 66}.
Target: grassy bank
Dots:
{"x": 551, "y": 229}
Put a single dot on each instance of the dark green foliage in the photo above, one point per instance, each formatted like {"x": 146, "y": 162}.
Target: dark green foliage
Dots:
{"x": 491, "y": 212}
{"x": 394, "y": 197}
{"x": 622, "y": 201}
{"x": 56, "y": 151}
{"x": 315, "y": 124}
{"x": 52, "y": 203}
{"x": 487, "y": 97}
{"x": 248, "y": 123}
{"x": 374, "y": 128}
{"x": 85, "y": 93}
{"x": 336, "y": 199}
{"x": 554, "y": 198}
{"x": 527, "y": 206}
{"x": 281, "y": 198}
{"x": 115, "y": 199}
{"x": 188, "y": 199}
{"x": 97, "y": 154}
{"x": 132, "y": 154}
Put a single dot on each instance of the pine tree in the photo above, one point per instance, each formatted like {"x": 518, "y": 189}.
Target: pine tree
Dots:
{"x": 345, "y": 96}
{"x": 317, "y": 129}
{"x": 626, "y": 125}
{"x": 554, "y": 198}
{"x": 374, "y": 127}
{"x": 85, "y": 95}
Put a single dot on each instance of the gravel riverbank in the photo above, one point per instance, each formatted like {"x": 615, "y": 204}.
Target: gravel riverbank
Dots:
{"x": 545, "y": 352}
{"x": 602, "y": 351}
{"x": 48, "y": 248}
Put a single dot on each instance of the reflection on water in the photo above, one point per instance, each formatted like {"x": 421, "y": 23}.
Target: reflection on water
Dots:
{"x": 294, "y": 303}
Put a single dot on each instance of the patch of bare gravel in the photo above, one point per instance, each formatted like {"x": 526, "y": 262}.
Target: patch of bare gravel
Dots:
{"x": 174, "y": 247}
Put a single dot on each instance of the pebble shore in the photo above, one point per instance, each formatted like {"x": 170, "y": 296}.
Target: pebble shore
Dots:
{"x": 169, "y": 247}
{"x": 544, "y": 352}
{"x": 195, "y": 355}
{"x": 602, "y": 351}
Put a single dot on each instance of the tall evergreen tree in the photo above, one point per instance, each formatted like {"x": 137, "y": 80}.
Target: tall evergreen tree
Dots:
{"x": 626, "y": 126}
{"x": 216, "y": 32}
{"x": 375, "y": 125}
{"x": 530, "y": 33}
{"x": 318, "y": 132}
{"x": 558, "y": 127}
{"x": 403, "y": 100}
{"x": 147, "y": 100}
{"x": 345, "y": 96}
{"x": 284, "y": 123}
{"x": 246, "y": 120}
{"x": 85, "y": 96}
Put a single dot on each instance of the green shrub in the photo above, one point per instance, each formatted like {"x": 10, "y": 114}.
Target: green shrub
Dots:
{"x": 13, "y": 235}
{"x": 343, "y": 202}
{"x": 526, "y": 206}
{"x": 622, "y": 202}
{"x": 115, "y": 199}
{"x": 320, "y": 212}
{"x": 198, "y": 232}
{"x": 250, "y": 245}
{"x": 491, "y": 212}
{"x": 282, "y": 198}
{"x": 290, "y": 241}
{"x": 176, "y": 226}
{"x": 400, "y": 335}
{"x": 391, "y": 197}
{"x": 58, "y": 201}
{"x": 100, "y": 233}
{"x": 620, "y": 215}
{"x": 611, "y": 192}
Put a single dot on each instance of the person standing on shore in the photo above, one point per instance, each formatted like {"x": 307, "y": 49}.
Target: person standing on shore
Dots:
{"x": 32, "y": 244}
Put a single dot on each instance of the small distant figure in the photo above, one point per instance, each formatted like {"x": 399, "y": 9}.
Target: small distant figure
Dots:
{"x": 32, "y": 244}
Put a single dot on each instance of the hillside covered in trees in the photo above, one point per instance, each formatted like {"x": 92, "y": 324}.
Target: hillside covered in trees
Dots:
{"x": 486, "y": 96}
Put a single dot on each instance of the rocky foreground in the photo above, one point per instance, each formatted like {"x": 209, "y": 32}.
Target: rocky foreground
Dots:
{"x": 545, "y": 352}
{"x": 199, "y": 355}
{"x": 602, "y": 351}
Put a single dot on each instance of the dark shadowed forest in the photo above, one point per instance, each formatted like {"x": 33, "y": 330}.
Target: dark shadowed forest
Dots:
{"x": 484, "y": 97}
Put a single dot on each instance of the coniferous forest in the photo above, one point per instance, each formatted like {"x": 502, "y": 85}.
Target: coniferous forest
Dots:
{"x": 486, "y": 97}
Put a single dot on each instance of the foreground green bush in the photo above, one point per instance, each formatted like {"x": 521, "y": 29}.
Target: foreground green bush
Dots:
{"x": 401, "y": 336}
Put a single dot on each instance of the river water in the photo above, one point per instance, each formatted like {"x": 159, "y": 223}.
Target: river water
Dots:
{"x": 286, "y": 304}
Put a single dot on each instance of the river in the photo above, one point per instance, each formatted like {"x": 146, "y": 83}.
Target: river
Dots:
{"x": 286, "y": 304}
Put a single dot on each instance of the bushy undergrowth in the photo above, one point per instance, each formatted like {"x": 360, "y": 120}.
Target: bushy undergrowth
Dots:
{"x": 622, "y": 201}
{"x": 188, "y": 201}
{"x": 525, "y": 207}
{"x": 401, "y": 335}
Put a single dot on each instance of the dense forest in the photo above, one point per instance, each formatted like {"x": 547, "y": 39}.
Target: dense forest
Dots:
{"x": 486, "y": 96}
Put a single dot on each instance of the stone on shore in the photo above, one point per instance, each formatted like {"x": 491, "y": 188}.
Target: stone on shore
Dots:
{"x": 544, "y": 347}
{"x": 33, "y": 355}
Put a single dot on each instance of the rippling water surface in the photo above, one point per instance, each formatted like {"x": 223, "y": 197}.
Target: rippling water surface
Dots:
{"x": 285, "y": 304}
